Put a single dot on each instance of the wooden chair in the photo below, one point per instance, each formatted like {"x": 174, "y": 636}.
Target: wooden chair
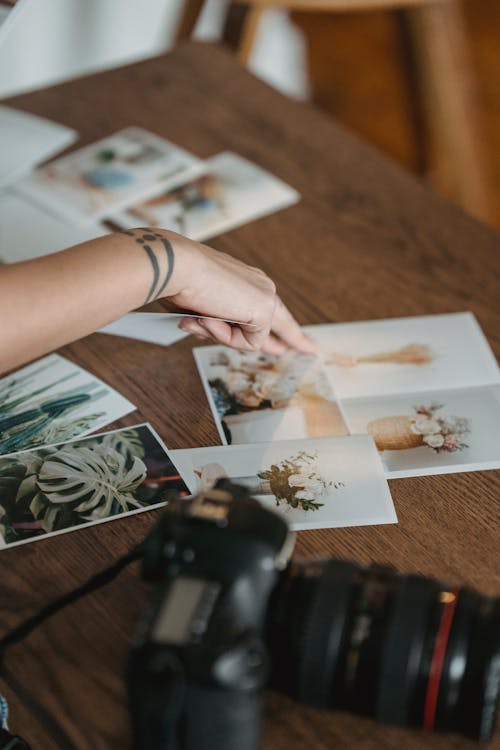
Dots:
{"x": 441, "y": 60}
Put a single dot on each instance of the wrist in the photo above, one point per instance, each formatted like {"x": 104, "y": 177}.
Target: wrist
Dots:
{"x": 165, "y": 259}
{"x": 187, "y": 260}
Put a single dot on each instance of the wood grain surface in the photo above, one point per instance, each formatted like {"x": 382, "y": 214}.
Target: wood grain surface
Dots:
{"x": 366, "y": 241}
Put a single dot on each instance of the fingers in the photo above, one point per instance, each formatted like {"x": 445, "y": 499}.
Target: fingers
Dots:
{"x": 231, "y": 335}
{"x": 192, "y": 326}
{"x": 286, "y": 333}
{"x": 286, "y": 328}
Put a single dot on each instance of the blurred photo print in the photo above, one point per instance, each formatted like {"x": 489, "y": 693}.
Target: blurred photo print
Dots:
{"x": 230, "y": 192}
{"x": 105, "y": 176}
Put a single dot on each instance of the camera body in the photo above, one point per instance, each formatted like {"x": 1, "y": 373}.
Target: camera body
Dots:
{"x": 402, "y": 649}
{"x": 199, "y": 663}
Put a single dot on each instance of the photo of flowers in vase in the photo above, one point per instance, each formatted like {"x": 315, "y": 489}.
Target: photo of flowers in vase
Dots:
{"x": 82, "y": 482}
{"x": 406, "y": 355}
{"x": 258, "y": 397}
{"x": 315, "y": 483}
{"x": 53, "y": 400}
{"x": 447, "y": 431}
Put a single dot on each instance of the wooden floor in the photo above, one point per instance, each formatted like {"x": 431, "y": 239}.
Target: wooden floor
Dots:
{"x": 359, "y": 73}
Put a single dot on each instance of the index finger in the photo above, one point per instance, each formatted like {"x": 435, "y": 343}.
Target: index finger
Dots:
{"x": 286, "y": 328}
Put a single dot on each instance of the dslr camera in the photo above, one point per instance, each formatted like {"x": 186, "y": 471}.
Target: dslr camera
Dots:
{"x": 231, "y": 613}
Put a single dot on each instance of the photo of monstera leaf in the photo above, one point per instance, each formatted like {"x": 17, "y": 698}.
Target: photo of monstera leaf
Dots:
{"x": 89, "y": 482}
{"x": 94, "y": 479}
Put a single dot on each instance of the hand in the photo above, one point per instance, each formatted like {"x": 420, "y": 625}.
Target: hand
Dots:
{"x": 216, "y": 284}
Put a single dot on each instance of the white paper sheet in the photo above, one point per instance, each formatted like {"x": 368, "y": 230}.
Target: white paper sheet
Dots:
{"x": 28, "y": 231}
{"x": 156, "y": 328}
{"x": 26, "y": 141}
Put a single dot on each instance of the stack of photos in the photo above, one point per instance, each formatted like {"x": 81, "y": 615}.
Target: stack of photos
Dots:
{"x": 129, "y": 179}
{"x": 61, "y": 487}
{"x": 108, "y": 175}
{"x": 230, "y": 192}
{"x": 322, "y": 483}
{"x": 427, "y": 389}
{"x": 53, "y": 400}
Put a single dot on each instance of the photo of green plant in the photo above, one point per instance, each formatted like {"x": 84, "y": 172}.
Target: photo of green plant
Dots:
{"x": 54, "y": 400}
{"x": 61, "y": 487}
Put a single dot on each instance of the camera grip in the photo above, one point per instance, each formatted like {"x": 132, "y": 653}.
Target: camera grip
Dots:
{"x": 218, "y": 719}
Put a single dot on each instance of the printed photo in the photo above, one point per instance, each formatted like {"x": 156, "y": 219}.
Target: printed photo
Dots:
{"x": 405, "y": 355}
{"x": 431, "y": 433}
{"x": 257, "y": 397}
{"x": 70, "y": 485}
{"x": 53, "y": 400}
{"x": 315, "y": 484}
{"x": 108, "y": 175}
{"x": 231, "y": 192}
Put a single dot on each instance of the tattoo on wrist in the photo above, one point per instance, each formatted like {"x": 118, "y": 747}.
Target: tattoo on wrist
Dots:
{"x": 156, "y": 248}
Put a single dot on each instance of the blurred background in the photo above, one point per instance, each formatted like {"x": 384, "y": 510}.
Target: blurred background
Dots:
{"x": 421, "y": 82}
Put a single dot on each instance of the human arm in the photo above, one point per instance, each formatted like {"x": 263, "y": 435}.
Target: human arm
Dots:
{"x": 48, "y": 302}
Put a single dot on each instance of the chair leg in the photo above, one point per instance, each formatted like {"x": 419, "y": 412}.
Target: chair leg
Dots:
{"x": 443, "y": 66}
{"x": 242, "y": 21}
{"x": 249, "y": 33}
{"x": 188, "y": 18}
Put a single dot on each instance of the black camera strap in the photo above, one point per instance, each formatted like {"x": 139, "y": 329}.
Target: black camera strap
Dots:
{"x": 105, "y": 576}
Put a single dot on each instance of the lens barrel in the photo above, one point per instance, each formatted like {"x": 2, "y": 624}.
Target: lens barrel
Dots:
{"x": 405, "y": 650}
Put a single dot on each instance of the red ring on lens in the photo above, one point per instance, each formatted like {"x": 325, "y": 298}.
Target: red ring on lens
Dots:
{"x": 437, "y": 662}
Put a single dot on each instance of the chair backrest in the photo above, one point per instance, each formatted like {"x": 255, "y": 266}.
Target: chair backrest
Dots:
{"x": 192, "y": 8}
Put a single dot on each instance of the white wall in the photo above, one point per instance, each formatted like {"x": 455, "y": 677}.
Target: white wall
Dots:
{"x": 57, "y": 39}
{"x": 53, "y": 40}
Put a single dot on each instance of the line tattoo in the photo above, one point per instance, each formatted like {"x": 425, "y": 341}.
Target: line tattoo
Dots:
{"x": 144, "y": 236}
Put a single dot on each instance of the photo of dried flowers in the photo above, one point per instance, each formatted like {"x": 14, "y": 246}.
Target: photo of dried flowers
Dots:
{"x": 257, "y": 397}
{"x": 406, "y": 355}
{"x": 315, "y": 483}
{"x": 82, "y": 482}
{"x": 53, "y": 400}
{"x": 431, "y": 433}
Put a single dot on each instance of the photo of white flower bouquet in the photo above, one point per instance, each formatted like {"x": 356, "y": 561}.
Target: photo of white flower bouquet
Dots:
{"x": 315, "y": 483}
{"x": 439, "y": 432}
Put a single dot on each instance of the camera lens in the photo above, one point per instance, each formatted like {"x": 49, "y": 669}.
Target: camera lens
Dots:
{"x": 406, "y": 650}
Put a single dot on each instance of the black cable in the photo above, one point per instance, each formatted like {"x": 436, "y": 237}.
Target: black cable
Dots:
{"x": 100, "y": 579}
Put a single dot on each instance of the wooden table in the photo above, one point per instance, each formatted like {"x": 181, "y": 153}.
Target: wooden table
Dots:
{"x": 366, "y": 241}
